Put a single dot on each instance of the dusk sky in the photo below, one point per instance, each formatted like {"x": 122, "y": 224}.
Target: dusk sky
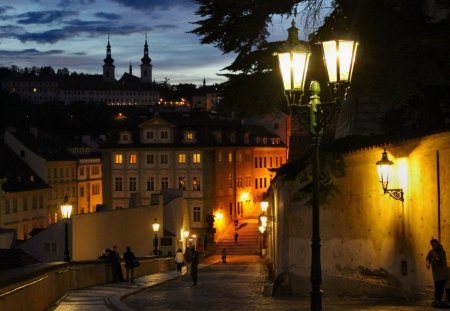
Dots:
{"x": 74, "y": 34}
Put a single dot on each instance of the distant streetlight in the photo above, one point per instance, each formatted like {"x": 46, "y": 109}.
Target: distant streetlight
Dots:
{"x": 293, "y": 56}
{"x": 155, "y": 239}
{"x": 186, "y": 235}
{"x": 66, "y": 212}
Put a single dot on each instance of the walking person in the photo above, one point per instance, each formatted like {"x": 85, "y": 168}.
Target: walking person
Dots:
{"x": 437, "y": 259}
{"x": 129, "y": 259}
{"x": 236, "y": 235}
{"x": 224, "y": 255}
{"x": 194, "y": 265}
{"x": 179, "y": 260}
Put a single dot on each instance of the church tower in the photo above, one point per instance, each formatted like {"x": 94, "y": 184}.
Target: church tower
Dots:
{"x": 146, "y": 67}
{"x": 108, "y": 67}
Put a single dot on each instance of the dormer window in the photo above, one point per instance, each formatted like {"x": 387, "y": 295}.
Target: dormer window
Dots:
{"x": 264, "y": 140}
{"x": 218, "y": 137}
{"x": 125, "y": 138}
{"x": 258, "y": 140}
{"x": 189, "y": 136}
{"x": 164, "y": 134}
{"x": 150, "y": 135}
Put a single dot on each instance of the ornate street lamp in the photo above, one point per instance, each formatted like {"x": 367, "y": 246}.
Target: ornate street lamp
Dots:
{"x": 293, "y": 56}
{"x": 384, "y": 167}
{"x": 155, "y": 239}
{"x": 264, "y": 205}
{"x": 66, "y": 212}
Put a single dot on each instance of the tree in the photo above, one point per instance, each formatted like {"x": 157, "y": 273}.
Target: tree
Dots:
{"x": 401, "y": 53}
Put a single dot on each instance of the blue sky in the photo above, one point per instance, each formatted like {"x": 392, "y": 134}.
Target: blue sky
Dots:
{"x": 73, "y": 34}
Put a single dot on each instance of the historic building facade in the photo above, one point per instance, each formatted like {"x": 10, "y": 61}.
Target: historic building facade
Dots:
{"x": 221, "y": 167}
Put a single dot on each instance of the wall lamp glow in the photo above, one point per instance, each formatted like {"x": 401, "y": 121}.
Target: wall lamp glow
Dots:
{"x": 385, "y": 172}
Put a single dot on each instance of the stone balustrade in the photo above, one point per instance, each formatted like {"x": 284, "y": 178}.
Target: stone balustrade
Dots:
{"x": 36, "y": 287}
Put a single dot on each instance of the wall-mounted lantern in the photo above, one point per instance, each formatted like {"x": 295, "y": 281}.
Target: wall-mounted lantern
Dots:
{"x": 384, "y": 167}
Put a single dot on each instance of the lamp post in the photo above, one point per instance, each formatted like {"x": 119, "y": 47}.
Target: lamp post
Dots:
{"x": 66, "y": 212}
{"x": 384, "y": 167}
{"x": 155, "y": 239}
{"x": 293, "y": 56}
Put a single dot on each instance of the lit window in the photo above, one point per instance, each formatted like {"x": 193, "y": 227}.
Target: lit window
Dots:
{"x": 182, "y": 158}
{"x": 118, "y": 158}
{"x": 182, "y": 183}
{"x": 230, "y": 157}
{"x": 197, "y": 214}
{"x": 133, "y": 158}
{"x": 196, "y": 184}
{"x": 189, "y": 136}
{"x": 219, "y": 157}
{"x": 196, "y": 158}
{"x": 81, "y": 191}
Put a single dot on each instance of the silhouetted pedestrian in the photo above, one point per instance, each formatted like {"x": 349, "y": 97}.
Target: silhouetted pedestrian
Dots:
{"x": 194, "y": 265}
{"x": 236, "y": 235}
{"x": 129, "y": 259}
{"x": 437, "y": 259}
{"x": 224, "y": 255}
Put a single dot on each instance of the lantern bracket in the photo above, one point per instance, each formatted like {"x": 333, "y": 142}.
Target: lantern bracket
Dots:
{"x": 396, "y": 194}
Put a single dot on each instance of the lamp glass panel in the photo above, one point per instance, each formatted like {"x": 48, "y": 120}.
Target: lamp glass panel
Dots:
{"x": 264, "y": 205}
{"x": 330, "y": 56}
{"x": 293, "y": 67}
{"x": 346, "y": 53}
{"x": 263, "y": 221}
{"x": 299, "y": 67}
{"x": 262, "y": 229}
{"x": 284, "y": 59}
{"x": 384, "y": 173}
{"x": 155, "y": 227}
{"x": 66, "y": 210}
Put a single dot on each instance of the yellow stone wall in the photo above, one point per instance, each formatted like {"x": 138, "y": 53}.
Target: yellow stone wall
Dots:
{"x": 371, "y": 243}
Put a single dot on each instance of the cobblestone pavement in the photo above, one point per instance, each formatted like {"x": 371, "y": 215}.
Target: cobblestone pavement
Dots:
{"x": 238, "y": 285}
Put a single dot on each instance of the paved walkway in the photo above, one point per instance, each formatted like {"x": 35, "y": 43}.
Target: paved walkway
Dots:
{"x": 239, "y": 285}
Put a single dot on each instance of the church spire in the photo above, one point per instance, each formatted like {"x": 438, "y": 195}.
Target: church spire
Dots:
{"x": 108, "y": 67}
{"x": 108, "y": 60}
{"x": 146, "y": 59}
{"x": 130, "y": 69}
{"x": 146, "y": 66}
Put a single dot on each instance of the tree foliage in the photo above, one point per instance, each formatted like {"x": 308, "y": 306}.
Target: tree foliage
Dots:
{"x": 402, "y": 50}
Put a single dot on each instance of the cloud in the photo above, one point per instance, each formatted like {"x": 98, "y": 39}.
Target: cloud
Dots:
{"x": 29, "y": 53}
{"x": 149, "y": 5}
{"x": 44, "y": 17}
{"x": 5, "y": 8}
{"x": 108, "y": 16}
{"x": 51, "y": 36}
